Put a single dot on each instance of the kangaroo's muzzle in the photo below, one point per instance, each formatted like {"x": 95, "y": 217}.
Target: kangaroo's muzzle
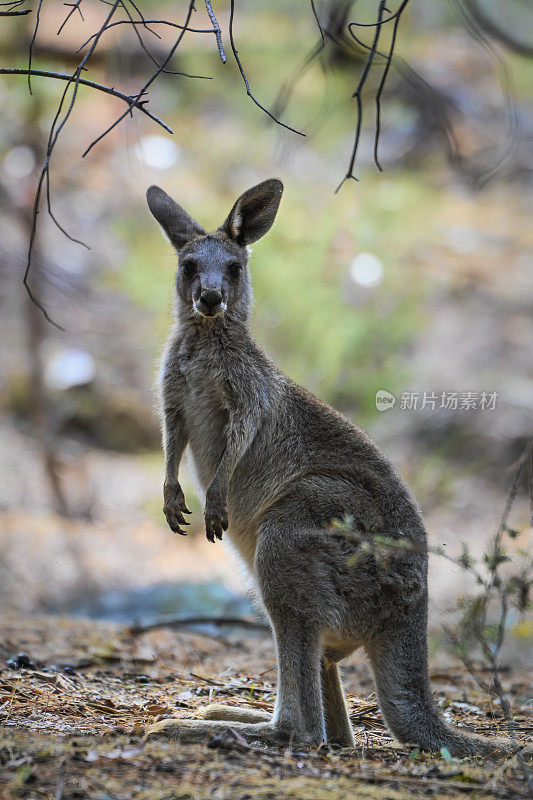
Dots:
{"x": 211, "y": 303}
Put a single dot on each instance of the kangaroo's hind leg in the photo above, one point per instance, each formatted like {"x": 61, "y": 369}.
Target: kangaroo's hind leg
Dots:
{"x": 338, "y": 726}
{"x": 284, "y": 580}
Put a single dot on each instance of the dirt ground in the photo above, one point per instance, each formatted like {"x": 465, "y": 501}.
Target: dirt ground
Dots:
{"x": 73, "y": 722}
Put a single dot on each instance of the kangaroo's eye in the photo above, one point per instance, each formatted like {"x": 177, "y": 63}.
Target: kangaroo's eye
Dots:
{"x": 234, "y": 268}
{"x": 189, "y": 267}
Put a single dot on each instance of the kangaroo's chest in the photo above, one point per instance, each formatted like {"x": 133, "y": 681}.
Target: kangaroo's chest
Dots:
{"x": 206, "y": 416}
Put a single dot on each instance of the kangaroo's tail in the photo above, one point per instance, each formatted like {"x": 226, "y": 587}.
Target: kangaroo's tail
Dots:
{"x": 400, "y": 665}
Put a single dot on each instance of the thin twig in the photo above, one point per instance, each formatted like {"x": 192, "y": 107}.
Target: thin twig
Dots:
{"x": 36, "y": 28}
{"x": 75, "y": 7}
{"x": 145, "y": 23}
{"x": 491, "y": 649}
{"x": 380, "y": 91}
{"x": 245, "y": 79}
{"x": 55, "y": 131}
{"x": 54, "y": 218}
{"x": 357, "y": 95}
{"x": 320, "y": 28}
{"x": 183, "y": 622}
{"x": 515, "y": 485}
{"x": 216, "y": 28}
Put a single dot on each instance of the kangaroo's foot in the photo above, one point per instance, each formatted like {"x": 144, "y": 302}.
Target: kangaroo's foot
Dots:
{"x": 215, "y": 719}
{"x": 232, "y": 713}
{"x": 197, "y": 730}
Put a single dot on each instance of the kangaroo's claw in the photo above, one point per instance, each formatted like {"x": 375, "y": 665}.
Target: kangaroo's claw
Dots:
{"x": 174, "y": 507}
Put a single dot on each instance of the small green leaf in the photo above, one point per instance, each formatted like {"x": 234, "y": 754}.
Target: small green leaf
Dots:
{"x": 414, "y": 754}
{"x": 496, "y": 557}
{"x": 465, "y": 559}
{"x": 445, "y": 753}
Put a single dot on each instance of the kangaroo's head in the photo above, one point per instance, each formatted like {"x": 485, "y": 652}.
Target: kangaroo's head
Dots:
{"x": 212, "y": 278}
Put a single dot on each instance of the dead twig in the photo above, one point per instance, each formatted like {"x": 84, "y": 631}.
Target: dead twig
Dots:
{"x": 184, "y": 622}
{"x": 216, "y": 28}
{"x": 245, "y": 79}
{"x": 357, "y": 95}
{"x": 20, "y": 13}
{"x": 142, "y": 91}
{"x": 32, "y": 42}
{"x": 74, "y": 7}
{"x": 131, "y": 100}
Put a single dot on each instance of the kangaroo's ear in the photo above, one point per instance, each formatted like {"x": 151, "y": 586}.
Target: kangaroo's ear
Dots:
{"x": 177, "y": 224}
{"x": 254, "y": 212}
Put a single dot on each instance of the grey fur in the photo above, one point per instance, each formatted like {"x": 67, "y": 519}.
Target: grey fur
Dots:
{"x": 277, "y": 466}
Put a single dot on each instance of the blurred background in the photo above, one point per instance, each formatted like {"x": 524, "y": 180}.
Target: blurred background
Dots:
{"x": 416, "y": 282}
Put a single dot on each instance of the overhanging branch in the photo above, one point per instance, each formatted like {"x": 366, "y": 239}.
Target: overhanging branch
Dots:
{"x": 131, "y": 100}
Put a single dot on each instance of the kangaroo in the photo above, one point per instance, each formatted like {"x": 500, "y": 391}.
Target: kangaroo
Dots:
{"x": 278, "y": 466}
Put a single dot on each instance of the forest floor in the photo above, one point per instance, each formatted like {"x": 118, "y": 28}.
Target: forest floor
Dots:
{"x": 73, "y": 722}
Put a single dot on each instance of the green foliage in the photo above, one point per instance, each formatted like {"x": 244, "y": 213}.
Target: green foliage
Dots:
{"x": 496, "y": 556}
{"x": 464, "y": 558}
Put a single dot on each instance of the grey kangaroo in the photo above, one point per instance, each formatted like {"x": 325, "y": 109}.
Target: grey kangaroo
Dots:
{"x": 277, "y": 467}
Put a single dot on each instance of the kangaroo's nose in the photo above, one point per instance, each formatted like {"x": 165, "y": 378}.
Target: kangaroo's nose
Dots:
{"x": 211, "y": 298}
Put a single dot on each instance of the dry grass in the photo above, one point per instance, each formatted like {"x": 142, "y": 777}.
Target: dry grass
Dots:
{"x": 72, "y": 727}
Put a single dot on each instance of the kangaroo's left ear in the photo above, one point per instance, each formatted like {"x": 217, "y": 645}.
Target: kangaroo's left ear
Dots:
{"x": 254, "y": 212}
{"x": 177, "y": 224}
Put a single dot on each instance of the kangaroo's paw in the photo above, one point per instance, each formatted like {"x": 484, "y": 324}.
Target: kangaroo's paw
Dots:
{"x": 197, "y": 730}
{"x": 233, "y": 713}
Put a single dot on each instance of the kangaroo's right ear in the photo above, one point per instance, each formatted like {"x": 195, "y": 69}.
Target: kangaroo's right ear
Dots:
{"x": 177, "y": 224}
{"x": 254, "y": 212}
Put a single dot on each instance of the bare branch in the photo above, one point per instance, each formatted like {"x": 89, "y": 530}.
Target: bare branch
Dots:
{"x": 242, "y": 622}
{"x": 55, "y": 132}
{"x": 245, "y": 79}
{"x": 216, "y": 28}
{"x": 320, "y": 28}
{"x": 75, "y": 7}
{"x": 145, "y": 23}
{"x": 380, "y": 92}
{"x": 54, "y": 218}
{"x": 131, "y": 100}
{"x": 36, "y": 28}
{"x": 357, "y": 95}
{"x": 147, "y": 84}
